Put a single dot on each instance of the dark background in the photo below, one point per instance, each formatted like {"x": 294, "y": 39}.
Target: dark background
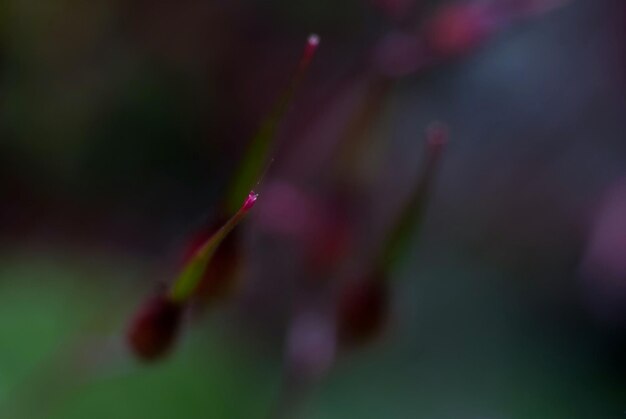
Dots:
{"x": 121, "y": 124}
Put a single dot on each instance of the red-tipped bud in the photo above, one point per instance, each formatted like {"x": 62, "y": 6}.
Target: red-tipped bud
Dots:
{"x": 154, "y": 328}
{"x": 363, "y": 309}
{"x": 249, "y": 202}
{"x": 312, "y": 42}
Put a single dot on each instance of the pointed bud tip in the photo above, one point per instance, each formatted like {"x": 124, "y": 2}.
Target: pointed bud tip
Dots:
{"x": 313, "y": 40}
{"x": 250, "y": 200}
{"x": 312, "y": 43}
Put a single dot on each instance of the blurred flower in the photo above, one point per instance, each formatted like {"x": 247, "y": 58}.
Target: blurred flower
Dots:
{"x": 321, "y": 227}
{"x": 288, "y": 211}
{"x": 458, "y": 28}
{"x": 310, "y": 345}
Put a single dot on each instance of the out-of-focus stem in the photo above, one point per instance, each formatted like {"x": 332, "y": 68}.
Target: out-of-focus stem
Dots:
{"x": 361, "y": 121}
{"x": 413, "y": 213}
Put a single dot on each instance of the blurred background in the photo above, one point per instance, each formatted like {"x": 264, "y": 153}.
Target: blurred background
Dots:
{"x": 123, "y": 123}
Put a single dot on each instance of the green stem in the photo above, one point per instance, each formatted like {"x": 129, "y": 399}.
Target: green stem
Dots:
{"x": 256, "y": 156}
{"x": 413, "y": 213}
{"x": 185, "y": 285}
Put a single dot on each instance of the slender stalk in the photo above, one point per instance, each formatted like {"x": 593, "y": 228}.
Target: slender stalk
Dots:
{"x": 413, "y": 213}
{"x": 256, "y": 156}
{"x": 187, "y": 282}
{"x": 361, "y": 121}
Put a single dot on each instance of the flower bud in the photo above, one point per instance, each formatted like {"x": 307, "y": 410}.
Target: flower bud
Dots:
{"x": 154, "y": 328}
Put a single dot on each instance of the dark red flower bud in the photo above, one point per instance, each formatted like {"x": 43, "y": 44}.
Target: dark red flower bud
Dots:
{"x": 363, "y": 309}
{"x": 155, "y": 327}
